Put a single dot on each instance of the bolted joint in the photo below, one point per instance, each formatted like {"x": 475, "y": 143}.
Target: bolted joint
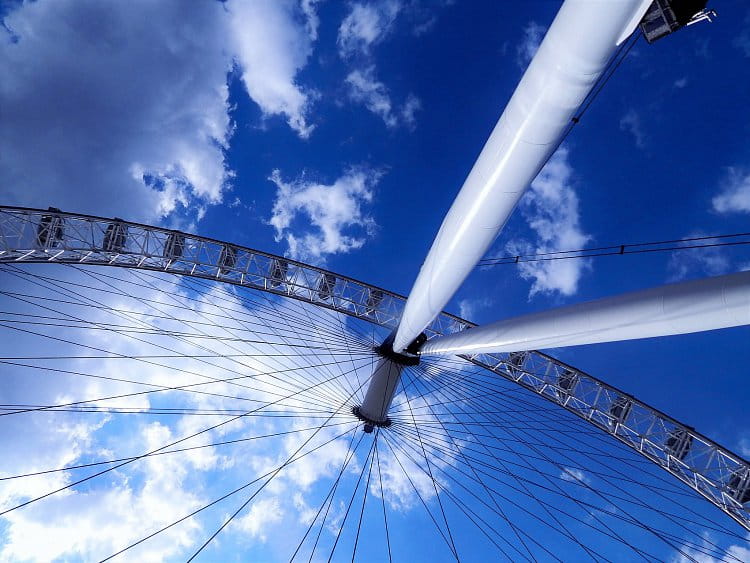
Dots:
{"x": 384, "y": 381}
{"x": 408, "y": 357}
{"x": 370, "y": 423}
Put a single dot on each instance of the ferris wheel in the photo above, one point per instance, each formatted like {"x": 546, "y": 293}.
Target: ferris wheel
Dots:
{"x": 390, "y": 429}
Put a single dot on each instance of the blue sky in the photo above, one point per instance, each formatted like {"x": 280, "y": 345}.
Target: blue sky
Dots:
{"x": 338, "y": 133}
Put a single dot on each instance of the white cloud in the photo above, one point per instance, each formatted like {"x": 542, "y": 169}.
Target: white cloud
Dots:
{"x": 468, "y": 308}
{"x": 121, "y": 109}
{"x": 573, "y": 475}
{"x": 698, "y": 261}
{"x": 96, "y": 95}
{"x": 323, "y": 463}
{"x": 631, "y": 123}
{"x": 744, "y": 446}
{"x": 742, "y": 41}
{"x": 533, "y": 34}
{"x": 411, "y": 106}
{"x": 681, "y": 82}
{"x": 739, "y": 552}
{"x": 735, "y": 193}
{"x": 304, "y": 511}
{"x": 400, "y": 479}
{"x": 551, "y": 209}
{"x": 335, "y": 215}
{"x": 95, "y": 521}
{"x": 272, "y": 45}
{"x": 309, "y": 8}
{"x": 366, "y": 25}
{"x": 263, "y": 514}
{"x": 364, "y": 88}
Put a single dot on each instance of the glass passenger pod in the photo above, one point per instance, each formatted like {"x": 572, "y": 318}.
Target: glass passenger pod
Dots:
{"x": 515, "y": 363}
{"x": 51, "y": 229}
{"x": 174, "y": 247}
{"x": 326, "y": 284}
{"x": 277, "y": 272}
{"x": 374, "y": 298}
{"x": 227, "y": 259}
{"x": 678, "y": 443}
{"x": 619, "y": 410}
{"x": 566, "y": 383}
{"x": 667, "y": 16}
{"x": 115, "y": 236}
{"x": 738, "y": 485}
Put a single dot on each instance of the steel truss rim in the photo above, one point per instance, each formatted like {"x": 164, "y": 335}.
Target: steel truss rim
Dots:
{"x": 506, "y": 367}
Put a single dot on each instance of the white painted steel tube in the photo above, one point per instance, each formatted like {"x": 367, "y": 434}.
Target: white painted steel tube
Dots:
{"x": 572, "y": 56}
{"x": 680, "y": 308}
{"x": 381, "y": 390}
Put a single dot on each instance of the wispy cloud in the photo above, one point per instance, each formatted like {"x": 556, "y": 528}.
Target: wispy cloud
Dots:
{"x": 364, "y": 88}
{"x": 310, "y": 10}
{"x": 698, "y": 262}
{"x": 681, "y": 82}
{"x": 468, "y": 308}
{"x": 140, "y": 107}
{"x": 272, "y": 41}
{"x": 366, "y": 25}
{"x": 334, "y": 215}
{"x": 744, "y": 446}
{"x": 573, "y": 475}
{"x": 533, "y": 34}
{"x": 551, "y": 209}
{"x": 631, "y": 123}
{"x": 109, "y": 78}
{"x": 734, "y": 195}
{"x": 703, "y": 554}
{"x": 262, "y": 515}
{"x": 742, "y": 41}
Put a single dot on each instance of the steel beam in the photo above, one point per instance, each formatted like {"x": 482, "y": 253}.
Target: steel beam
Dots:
{"x": 680, "y": 308}
{"x": 571, "y": 58}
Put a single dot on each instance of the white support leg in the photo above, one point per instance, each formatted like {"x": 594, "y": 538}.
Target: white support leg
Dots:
{"x": 574, "y": 53}
{"x": 680, "y": 308}
{"x": 383, "y": 385}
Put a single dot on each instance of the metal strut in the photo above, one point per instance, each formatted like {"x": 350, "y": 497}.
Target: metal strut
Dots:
{"x": 384, "y": 381}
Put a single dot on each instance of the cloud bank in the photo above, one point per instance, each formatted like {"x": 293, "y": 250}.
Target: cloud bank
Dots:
{"x": 734, "y": 195}
{"x": 317, "y": 219}
{"x": 122, "y": 108}
{"x": 550, "y": 207}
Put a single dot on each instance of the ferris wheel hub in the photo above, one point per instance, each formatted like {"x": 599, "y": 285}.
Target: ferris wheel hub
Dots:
{"x": 384, "y": 380}
{"x": 370, "y": 423}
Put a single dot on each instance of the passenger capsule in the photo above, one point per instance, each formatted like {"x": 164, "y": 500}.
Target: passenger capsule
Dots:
{"x": 678, "y": 443}
{"x": 227, "y": 259}
{"x": 326, "y": 284}
{"x": 175, "y": 246}
{"x": 620, "y": 409}
{"x": 50, "y": 230}
{"x": 115, "y": 236}
{"x": 374, "y": 298}
{"x": 278, "y": 271}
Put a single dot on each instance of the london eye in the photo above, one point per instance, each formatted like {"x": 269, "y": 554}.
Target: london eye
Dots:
{"x": 394, "y": 429}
